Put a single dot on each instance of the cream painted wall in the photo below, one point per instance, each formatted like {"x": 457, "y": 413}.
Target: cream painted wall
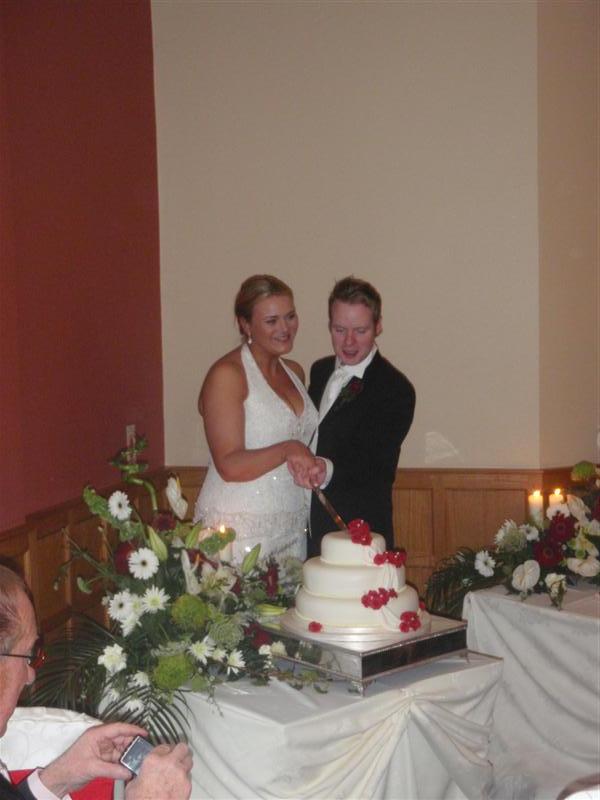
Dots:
{"x": 569, "y": 37}
{"x": 396, "y": 141}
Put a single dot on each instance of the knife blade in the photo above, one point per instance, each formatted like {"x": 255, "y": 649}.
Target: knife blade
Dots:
{"x": 330, "y": 509}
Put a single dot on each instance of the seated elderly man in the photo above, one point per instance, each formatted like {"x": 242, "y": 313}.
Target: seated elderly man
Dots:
{"x": 165, "y": 772}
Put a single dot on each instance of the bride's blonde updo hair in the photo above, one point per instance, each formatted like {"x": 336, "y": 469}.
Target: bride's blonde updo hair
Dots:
{"x": 256, "y": 288}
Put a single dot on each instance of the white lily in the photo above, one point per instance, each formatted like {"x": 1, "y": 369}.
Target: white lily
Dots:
{"x": 192, "y": 584}
{"x": 176, "y": 500}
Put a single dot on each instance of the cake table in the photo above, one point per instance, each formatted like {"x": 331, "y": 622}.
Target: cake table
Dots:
{"x": 420, "y": 733}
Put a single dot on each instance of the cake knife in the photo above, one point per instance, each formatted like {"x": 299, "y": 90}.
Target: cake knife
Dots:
{"x": 330, "y": 509}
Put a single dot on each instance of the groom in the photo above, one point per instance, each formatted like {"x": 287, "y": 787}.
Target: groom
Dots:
{"x": 366, "y": 408}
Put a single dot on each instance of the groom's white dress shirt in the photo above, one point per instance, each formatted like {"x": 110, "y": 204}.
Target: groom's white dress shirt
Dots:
{"x": 340, "y": 377}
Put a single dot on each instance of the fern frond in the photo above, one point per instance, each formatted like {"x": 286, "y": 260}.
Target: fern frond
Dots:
{"x": 452, "y": 580}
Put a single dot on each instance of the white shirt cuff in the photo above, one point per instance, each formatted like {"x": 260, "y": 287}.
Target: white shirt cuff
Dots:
{"x": 328, "y": 473}
{"x": 39, "y": 791}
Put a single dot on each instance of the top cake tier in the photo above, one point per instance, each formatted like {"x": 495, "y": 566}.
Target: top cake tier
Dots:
{"x": 338, "y": 548}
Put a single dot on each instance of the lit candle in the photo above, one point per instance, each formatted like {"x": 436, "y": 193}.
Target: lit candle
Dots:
{"x": 536, "y": 506}
{"x": 556, "y": 498}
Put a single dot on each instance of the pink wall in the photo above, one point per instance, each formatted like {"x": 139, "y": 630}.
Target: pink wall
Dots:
{"x": 79, "y": 282}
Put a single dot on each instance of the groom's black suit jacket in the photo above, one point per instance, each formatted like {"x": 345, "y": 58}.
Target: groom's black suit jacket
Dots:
{"x": 361, "y": 434}
{"x": 10, "y": 792}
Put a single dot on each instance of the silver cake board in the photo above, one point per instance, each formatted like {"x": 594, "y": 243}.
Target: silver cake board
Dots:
{"x": 362, "y": 660}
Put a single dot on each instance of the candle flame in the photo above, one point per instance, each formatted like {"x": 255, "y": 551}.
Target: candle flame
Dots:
{"x": 536, "y": 493}
{"x": 222, "y": 529}
{"x": 557, "y": 492}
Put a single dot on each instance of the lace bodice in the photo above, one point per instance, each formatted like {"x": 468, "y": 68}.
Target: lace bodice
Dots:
{"x": 271, "y": 510}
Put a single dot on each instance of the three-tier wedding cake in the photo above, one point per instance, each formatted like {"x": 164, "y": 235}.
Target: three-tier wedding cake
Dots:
{"x": 357, "y": 587}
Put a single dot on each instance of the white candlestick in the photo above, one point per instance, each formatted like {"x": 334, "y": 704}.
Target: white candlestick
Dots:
{"x": 536, "y": 506}
{"x": 556, "y": 498}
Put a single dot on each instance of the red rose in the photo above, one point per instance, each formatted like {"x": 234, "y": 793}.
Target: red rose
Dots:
{"x": 271, "y": 579}
{"x": 404, "y": 627}
{"x": 548, "y": 553}
{"x": 257, "y": 636}
{"x": 379, "y": 558}
{"x": 355, "y": 385}
{"x": 561, "y": 528}
{"x": 121, "y": 557}
{"x": 164, "y": 521}
{"x": 315, "y": 627}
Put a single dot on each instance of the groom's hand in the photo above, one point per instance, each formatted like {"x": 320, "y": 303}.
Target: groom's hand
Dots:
{"x": 318, "y": 473}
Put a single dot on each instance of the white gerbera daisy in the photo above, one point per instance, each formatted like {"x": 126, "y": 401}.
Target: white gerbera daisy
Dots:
{"x": 203, "y": 650}
{"x": 235, "y": 662}
{"x": 532, "y": 534}
{"x": 118, "y": 505}
{"x": 119, "y": 607}
{"x": 154, "y": 600}
{"x": 143, "y": 563}
{"x": 484, "y": 564}
{"x": 559, "y": 508}
{"x": 113, "y": 659}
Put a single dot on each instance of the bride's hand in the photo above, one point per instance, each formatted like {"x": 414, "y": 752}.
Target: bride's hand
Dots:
{"x": 300, "y": 462}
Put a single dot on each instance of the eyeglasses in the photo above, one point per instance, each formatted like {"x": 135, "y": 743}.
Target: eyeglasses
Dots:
{"x": 35, "y": 659}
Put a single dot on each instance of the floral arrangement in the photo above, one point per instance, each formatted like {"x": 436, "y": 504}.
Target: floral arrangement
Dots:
{"x": 181, "y": 617}
{"x": 544, "y": 555}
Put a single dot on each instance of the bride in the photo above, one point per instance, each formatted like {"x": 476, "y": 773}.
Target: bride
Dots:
{"x": 258, "y": 420}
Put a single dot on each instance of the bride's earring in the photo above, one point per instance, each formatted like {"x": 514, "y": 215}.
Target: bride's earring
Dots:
{"x": 249, "y": 340}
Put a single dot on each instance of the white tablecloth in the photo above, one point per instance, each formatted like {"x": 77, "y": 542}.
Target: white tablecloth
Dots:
{"x": 421, "y": 733}
{"x": 547, "y": 718}
{"x": 35, "y": 736}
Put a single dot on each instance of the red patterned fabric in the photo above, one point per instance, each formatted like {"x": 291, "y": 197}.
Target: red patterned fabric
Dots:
{"x": 98, "y": 789}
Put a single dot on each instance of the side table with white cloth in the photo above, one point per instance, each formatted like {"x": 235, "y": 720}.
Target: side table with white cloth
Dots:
{"x": 419, "y": 733}
{"x": 547, "y": 718}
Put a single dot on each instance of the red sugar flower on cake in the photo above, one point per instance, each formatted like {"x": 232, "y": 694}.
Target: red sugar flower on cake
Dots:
{"x": 360, "y": 531}
{"x": 377, "y": 598}
{"x": 397, "y": 558}
{"x": 379, "y": 559}
{"x": 315, "y": 627}
{"x": 409, "y": 621}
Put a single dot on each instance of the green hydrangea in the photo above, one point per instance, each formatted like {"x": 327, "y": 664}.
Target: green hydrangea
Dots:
{"x": 227, "y": 633}
{"x": 583, "y": 471}
{"x": 172, "y": 671}
{"x": 190, "y": 613}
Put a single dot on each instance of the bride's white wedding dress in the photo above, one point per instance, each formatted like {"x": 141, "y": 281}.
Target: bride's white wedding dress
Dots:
{"x": 272, "y": 509}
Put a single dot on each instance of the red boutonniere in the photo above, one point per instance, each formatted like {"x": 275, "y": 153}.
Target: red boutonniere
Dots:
{"x": 351, "y": 390}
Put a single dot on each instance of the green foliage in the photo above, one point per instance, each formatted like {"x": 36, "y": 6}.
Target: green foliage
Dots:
{"x": 452, "y": 580}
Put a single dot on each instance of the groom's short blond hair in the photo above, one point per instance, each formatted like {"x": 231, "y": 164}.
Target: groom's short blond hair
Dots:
{"x": 354, "y": 290}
